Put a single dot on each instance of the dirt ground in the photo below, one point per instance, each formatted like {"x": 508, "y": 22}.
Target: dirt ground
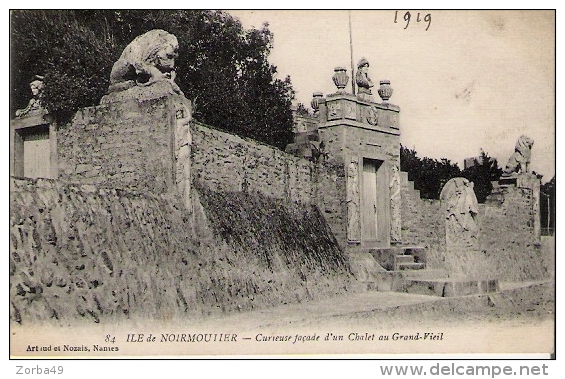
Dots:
{"x": 518, "y": 320}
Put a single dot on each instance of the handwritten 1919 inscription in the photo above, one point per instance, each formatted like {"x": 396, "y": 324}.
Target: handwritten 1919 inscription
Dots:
{"x": 408, "y": 16}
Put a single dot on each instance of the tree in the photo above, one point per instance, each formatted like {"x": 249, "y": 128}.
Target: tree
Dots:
{"x": 482, "y": 173}
{"x": 429, "y": 175}
{"x": 75, "y": 60}
{"x": 221, "y": 65}
{"x": 302, "y": 110}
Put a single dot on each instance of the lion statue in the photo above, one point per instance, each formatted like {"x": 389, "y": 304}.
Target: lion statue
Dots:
{"x": 520, "y": 160}
{"x": 149, "y": 58}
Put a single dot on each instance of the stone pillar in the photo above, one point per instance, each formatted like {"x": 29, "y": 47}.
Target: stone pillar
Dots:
{"x": 515, "y": 182}
{"x": 136, "y": 139}
{"x": 353, "y": 203}
{"x": 395, "y": 206}
{"x": 531, "y": 182}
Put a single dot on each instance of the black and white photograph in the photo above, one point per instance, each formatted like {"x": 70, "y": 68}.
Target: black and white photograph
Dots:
{"x": 282, "y": 183}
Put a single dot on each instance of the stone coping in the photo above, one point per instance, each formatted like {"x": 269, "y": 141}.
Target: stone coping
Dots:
{"x": 350, "y": 97}
{"x": 360, "y": 125}
{"x": 40, "y": 117}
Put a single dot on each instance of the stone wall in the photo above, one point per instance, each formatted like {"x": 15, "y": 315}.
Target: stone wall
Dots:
{"x": 423, "y": 222}
{"x": 225, "y": 162}
{"x": 508, "y": 238}
{"x": 103, "y": 255}
{"x": 127, "y": 144}
{"x": 507, "y": 251}
{"x": 331, "y": 195}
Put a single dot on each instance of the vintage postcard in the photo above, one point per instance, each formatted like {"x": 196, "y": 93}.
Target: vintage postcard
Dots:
{"x": 282, "y": 183}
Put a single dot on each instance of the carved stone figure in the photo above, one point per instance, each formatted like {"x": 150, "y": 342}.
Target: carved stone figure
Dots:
{"x": 35, "y": 103}
{"x": 353, "y": 217}
{"x": 461, "y": 209}
{"x": 350, "y": 110}
{"x": 372, "y": 116}
{"x": 519, "y": 161}
{"x": 183, "y": 140}
{"x": 149, "y": 58}
{"x": 395, "y": 206}
{"x": 334, "y": 110}
{"x": 364, "y": 83}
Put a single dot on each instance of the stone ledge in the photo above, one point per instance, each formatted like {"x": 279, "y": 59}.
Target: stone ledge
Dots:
{"x": 360, "y": 125}
{"x": 39, "y": 117}
{"x": 450, "y": 287}
{"x": 156, "y": 90}
{"x": 350, "y": 97}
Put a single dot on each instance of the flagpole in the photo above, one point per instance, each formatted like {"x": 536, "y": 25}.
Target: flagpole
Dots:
{"x": 351, "y": 55}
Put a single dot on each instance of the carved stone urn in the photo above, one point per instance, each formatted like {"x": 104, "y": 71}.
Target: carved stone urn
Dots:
{"x": 385, "y": 90}
{"x": 315, "y": 103}
{"x": 340, "y": 79}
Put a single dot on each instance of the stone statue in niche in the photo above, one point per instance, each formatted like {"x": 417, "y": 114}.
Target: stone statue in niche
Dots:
{"x": 183, "y": 119}
{"x": 364, "y": 83}
{"x": 461, "y": 209}
{"x": 149, "y": 58}
{"x": 183, "y": 140}
{"x": 395, "y": 206}
{"x": 353, "y": 199}
{"x": 519, "y": 162}
{"x": 35, "y": 103}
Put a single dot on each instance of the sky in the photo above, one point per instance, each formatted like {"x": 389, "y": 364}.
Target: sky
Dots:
{"x": 472, "y": 80}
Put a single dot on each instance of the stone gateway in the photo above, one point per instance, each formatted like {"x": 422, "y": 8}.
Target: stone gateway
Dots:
{"x": 203, "y": 222}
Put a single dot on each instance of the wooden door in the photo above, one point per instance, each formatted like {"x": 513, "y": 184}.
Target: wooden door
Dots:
{"x": 37, "y": 155}
{"x": 375, "y": 206}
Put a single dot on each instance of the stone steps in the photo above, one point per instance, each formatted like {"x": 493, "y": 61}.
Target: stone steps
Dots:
{"x": 410, "y": 266}
{"x": 398, "y": 281}
{"x": 448, "y": 287}
{"x": 403, "y": 269}
{"x": 391, "y": 256}
{"x": 403, "y": 259}
{"x": 426, "y": 274}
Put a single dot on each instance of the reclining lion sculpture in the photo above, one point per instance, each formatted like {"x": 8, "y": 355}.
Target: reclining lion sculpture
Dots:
{"x": 520, "y": 160}
{"x": 149, "y": 58}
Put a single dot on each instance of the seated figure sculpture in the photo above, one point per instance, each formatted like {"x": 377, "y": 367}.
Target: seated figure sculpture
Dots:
{"x": 520, "y": 160}
{"x": 364, "y": 83}
{"x": 149, "y": 58}
{"x": 35, "y": 103}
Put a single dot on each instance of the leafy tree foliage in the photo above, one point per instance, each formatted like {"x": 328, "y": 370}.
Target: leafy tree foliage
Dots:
{"x": 429, "y": 175}
{"x": 221, "y": 66}
{"x": 75, "y": 60}
{"x": 482, "y": 174}
{"x": 302, "y": 110}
